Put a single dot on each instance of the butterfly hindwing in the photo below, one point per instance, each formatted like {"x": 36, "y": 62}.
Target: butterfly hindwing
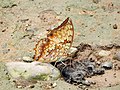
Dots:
{"x": 56, "y": 44}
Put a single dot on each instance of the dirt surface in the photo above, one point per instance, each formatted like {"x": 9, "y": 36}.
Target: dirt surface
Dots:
{"x": 24, "y": 22}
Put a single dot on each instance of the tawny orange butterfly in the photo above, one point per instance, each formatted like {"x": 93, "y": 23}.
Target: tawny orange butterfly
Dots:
{"x": 56, "y": 44}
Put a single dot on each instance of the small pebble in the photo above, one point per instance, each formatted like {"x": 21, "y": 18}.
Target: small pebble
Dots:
{"x": 91, "y": 67}
{"x": 107, "y": 65}
{"x": 93, "y": 82}
{"x": 92, "y": 58}
{"x": 115, "y": 26}
{"x": 117, "y": 56}
{"x": 49, "y": 87}
{"x": 86, "y": 82}
{"x": 104, "y": 53}
{"x": 72, "y": 50}
{"x": 106, "y": 79}
{"x": 27, "y": 59}
{"x": 31, "y": 86}
{"x": 83, "y": 87}
{"x": 109, "y": 85}
{"x": 54, "y": 85}
{"x": 20, "y": 87}
{"x": 98, "y": 62}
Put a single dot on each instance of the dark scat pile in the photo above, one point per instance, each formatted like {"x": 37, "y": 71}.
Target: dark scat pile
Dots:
{"x": 75, "y": 69}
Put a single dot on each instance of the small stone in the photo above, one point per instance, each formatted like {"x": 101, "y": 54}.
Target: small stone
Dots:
{"x": 27, "y": 59}
{"x": 115, "y": 26}
{"x": 86, "y": 82}
{"x": 93, "y": 82}
{"x": 109, "y": 85}
{"x": 54, "y": 85}
{"x": 91, "y": 67}
{"x": 104, "y": 53}
{"x": 98, "y": 62}
{"x": 31, "y": 86}
{"x": 49, "y": 87}
{"x": 72, "y": 50}
{"x": 20, "y": 87}
{"x": 32, "y": 71}
{"x": 117, "y": 56}
{"x": 107, "y": 65}
{"x": 83, "y": 87}
{"x": 24, "y": 20}
{"x": 92, "y": 58}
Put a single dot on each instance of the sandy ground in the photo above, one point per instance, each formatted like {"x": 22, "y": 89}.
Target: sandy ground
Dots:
{"x": 24, "y": 22}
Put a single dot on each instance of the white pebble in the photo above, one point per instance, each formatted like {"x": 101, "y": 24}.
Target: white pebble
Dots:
{"x": 26, "y": 58}
{"x": 54, "y": 85}
{"x": 104, "y": 53}
{"x": 72, "y": 50}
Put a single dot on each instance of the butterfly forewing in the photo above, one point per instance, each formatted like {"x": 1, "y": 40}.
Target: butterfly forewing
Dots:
{"x": 56, "y": 44}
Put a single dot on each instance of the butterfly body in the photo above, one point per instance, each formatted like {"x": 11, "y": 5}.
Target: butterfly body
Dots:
{"x": 56, "y": 44}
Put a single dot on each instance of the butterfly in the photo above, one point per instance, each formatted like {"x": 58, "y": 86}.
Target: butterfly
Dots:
{"x": 56, "y": 44}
